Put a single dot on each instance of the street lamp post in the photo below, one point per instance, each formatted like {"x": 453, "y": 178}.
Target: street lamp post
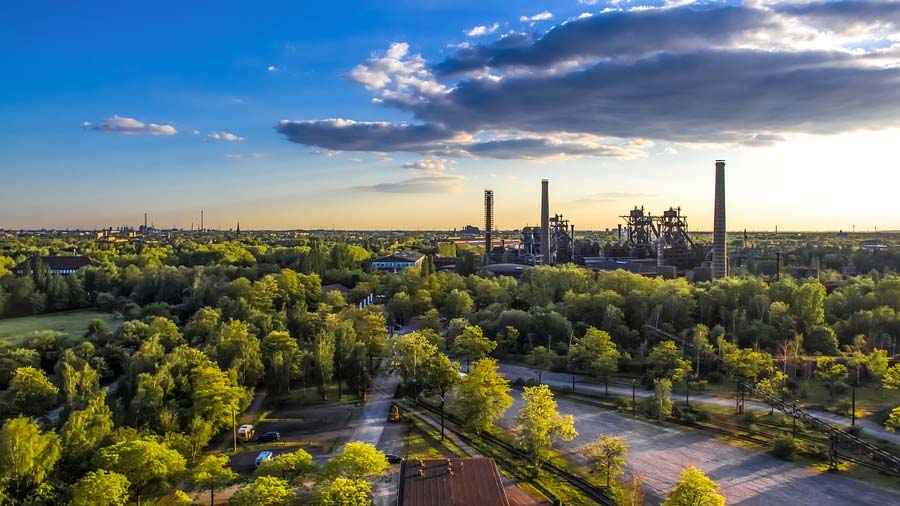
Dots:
{"x": 633, "y": 397}
{"x": 853, "y": 406}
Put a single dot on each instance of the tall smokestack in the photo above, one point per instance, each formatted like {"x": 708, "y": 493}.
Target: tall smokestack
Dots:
{"x": 201, "y": 220}
{"x": 545, "y": 221}
{"x": 145, "y": 221}
{"x": 720, "y": 258}
{"x": 488, "y": 223}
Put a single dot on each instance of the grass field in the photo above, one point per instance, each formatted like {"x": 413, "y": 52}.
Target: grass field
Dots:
{"x": 74, "y": 323}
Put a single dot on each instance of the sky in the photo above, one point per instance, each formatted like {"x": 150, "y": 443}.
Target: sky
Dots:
{"x": 397, "y": 115}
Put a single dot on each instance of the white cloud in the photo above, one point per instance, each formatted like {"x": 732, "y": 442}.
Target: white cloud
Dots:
{"x": 244, "y": 156}
{"x": 427, "y": 183}
{"x": 431, "y": 164}
{"x": 130, "y": 126}
{"x": 272, "y": 68}
{"x": 196, "y": 132}
{"x": 542, "y": 16}
{"x": 224, "y": 136}
{"x": 482, "y": 30}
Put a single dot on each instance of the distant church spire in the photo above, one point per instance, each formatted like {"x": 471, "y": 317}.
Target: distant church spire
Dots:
{"x": 238, "y": 229}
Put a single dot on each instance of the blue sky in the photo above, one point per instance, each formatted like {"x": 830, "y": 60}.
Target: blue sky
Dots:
{"x": 84, "y": 83}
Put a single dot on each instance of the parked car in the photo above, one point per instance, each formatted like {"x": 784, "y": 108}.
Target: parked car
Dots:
{"x": 269, "y": 437}
{"x": 263, "y": 456}
{"x": 393, "y": 459}
{"x": 245, "y": 432}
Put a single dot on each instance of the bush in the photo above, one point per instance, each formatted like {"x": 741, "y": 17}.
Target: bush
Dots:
{"x": 785, "y": 447}
{"x": 840, "y": 389}
{"x": 817, "y": 452}
{"x": 842, "y": 407}
{"x": 753, "y": 429}
{"x": 715, "y": 377}
{"x": 702, "y": 413}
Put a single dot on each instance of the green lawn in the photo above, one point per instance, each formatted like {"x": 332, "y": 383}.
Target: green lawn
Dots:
{"x": 74, "y": 323}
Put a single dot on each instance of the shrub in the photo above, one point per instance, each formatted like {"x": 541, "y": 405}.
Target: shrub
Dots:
{"x": 785, "y": 447}
{"x": 753, "y": 429}
{"x": 840, "y": 389}
{"x": 715, "y": 377}
{"x": 842, "y": 407}
{"x": 817, "y": 452}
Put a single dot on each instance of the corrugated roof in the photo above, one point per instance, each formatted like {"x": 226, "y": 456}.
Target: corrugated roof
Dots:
{"x": 451, "y": 482}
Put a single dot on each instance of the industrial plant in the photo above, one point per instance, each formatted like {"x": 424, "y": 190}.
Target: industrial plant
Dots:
{"x": 644, "y": 243}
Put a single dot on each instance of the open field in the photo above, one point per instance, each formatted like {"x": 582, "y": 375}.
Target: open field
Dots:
{"x": 14, "y": 330}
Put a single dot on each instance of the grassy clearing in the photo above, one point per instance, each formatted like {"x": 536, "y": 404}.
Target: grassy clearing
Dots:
{"x": 74, "y": 323}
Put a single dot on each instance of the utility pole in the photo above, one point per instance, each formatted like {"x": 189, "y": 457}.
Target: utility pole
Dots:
{"x": 853, "y": 406}
{"x": 234, "y": 428}
{"x": 633, "y": 403}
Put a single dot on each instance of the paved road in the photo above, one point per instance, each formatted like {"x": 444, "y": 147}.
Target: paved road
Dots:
{"x": 747, "y": 477}
{"x": 586, "y": 384}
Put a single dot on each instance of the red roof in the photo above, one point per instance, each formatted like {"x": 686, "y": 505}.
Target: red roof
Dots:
{"x": 451, "y": 482}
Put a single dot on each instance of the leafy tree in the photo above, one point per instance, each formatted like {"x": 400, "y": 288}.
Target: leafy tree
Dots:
{"x": 217, "y": 396}
{"x": 27, "y": 457}
{"x": 345, "y": 492}
{"x": 100, "y": 488}
{"x": 457, "y": 304}
{"x": 597, "y": 355}
{"x": 877, "y": 364}
{"x": 891, "y": 379}
{"x": 203, "y": 325}
{"x": 666, "y": 361}
{"x": 473, "y": 344}
{"x": 371, "y": 329}
{"x": 282, "y": 357}
{"x": 287, "y": 466}
{"x": 542, "y": 359}
{"x": 831, "y": 373}
{"x": 400, "y": 307}
{"x": 431, "y": 319}
{"x": 482, "y": 396}
{"x": 662, "y": 398}
{"x": 606, "y": 457}
{"x": 441, "y": 374}
{"x": 264, "y": 491}
{"x": 148, "y": 465}
{"x": 212, "y": 473}
{"x": 234, "y": 347}
{"x": 409, "y": 353}
{"x": 31, "y": 392}
{"x": 323, "y": 356}
{"x": 695, "y": 489}
{"x": 539, "y": 424}
{"x": 79, "y": 384}
{"x": 821, "y": 340}
{"x": 86, "y": 429}
{"x": 893, "y": 422}
{"x": 358, "y": 461}
{"x": 748, "y": 365}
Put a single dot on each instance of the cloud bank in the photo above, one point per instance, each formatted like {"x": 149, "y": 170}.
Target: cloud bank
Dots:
{"x": 613, "y": 83}
{"x": 129, "y": 126}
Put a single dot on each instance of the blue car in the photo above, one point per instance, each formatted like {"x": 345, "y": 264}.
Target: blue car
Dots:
{"x": 264, "y": 456}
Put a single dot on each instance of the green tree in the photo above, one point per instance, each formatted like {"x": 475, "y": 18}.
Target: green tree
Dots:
{"x": 666, "y": 361}
{"x": 891, "y": 379}
{"x": 86, "y": 429}
{"x": 27, "y": 457}
{"x": 877, "y": 364}
{"x": 441, "y": 374}
{"x": 539, "y": 424}
{"x": 893, "y": 422}
{"x": 281, "y": 356}
{"x": 457, "y": 304}
{"x": 606, "y": 457}
{"x": 472, "y": 344}
{"x": 288, "y": 466}
{"x": 323, "y": 356}
{"x": 482, "y": 396}
{"x": 31, "y": 392}
{"x": 148, "y": 465}
{"x": 597, "y": 355}
{"x": 409, "y": 353}
{"x": 100, "y": 488}
{"x": 662, "y": 398}
{"x": 234, "y": 347}
{"x": 345, "y": 492}
{"x": 541, "y": 358}
{"x": 821, "y": 340}
{"x": 400, "y": 307}
{"x": 358, "y": 461}
{"x": 264, "y": 491}
{"x": 831, "y": 372}
{"x": 212, "y": 473}
{"x": 695, "y": 489}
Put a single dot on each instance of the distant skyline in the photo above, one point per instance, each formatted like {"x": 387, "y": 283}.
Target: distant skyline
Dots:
{"x": 396, "y": 115}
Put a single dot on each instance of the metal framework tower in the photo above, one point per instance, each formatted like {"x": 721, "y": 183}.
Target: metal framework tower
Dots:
{"x": 720, "y": 256}
{"x": 545, "y": 222}
{"x": 488, "y": 222}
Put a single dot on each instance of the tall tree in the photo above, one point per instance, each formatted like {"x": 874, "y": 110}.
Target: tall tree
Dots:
{"x": 27, "y": 457}
{"x": 31, "y": 392}
{"x": 147, "y": 464}
{"x": 596, "y": 354}
{"x": 831, "y": 372}
{"x": 345, "y": 492}
{"x": 541, "y": 358}
{"x": 409, "y": 353}
{"x": 662, "y": 398}
{"x": 264, "y": 491}
{"x": 282, "y": 358}
{"x": 288, "y": 466}
{"x": 666, "y": 361}
{"x": 472, "y": 344}
{"x": 100, "y": 488}
{"x": 606, "y": 456}
{"x": 482, "y": 396}
{"x": 539, "y": 424}
{"x": 695, "y": 489}
{"x": 86, "y": 429}
{"x": 358, "y": 461}
{"x": 212, "y": 473}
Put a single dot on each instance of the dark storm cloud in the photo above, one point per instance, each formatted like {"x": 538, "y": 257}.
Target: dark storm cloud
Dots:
{"x": 702, "y": 96}
{"x": 615, "y": 35}
{"x": 348, "y": 135}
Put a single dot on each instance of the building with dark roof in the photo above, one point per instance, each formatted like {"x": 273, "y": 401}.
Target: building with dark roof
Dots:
{"x": 451, "y": 482}
{"x": 399, "y": 261}
{"x": 62, "y": 265}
